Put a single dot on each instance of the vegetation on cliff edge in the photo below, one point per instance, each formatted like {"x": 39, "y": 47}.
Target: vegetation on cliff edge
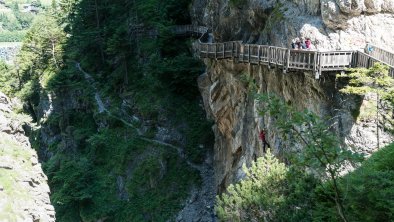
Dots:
{"x": 97, "y": 164}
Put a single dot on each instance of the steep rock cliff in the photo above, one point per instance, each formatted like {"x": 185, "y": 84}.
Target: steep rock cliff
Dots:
{"x": 24, "y": 192}
{"x": 331, "y": 24}
{"x": 230, "y": 103}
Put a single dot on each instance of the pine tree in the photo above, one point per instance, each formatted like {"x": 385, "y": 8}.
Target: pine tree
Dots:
{"x": 258, "y": 195}
{"x": 373, "y": 80}
{"x": 321, "y": 151}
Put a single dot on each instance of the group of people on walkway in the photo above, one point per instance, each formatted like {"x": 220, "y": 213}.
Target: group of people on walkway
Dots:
{"x": 301, "y": 43}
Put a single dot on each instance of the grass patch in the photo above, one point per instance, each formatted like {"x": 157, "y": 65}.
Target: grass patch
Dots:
{"x": 19, "y": 158}
{"x": 238, "y": 3}
{"x": 368, "y": 110}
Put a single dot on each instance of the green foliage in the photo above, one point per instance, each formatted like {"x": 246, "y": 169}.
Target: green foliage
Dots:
{"x": 374, "y": 79}
{"x": 8, "y": 83}
{"x": 275, "y": 16}
{"x": 101, "y": 166}
{"x": 12, "y": 190}
{"x": 250, "y": 83}
{"x": 39, "y": 58}
{"x": 316, "y": 166}
{"x": 179, "y": 74}
{"x": 24, "y": 19}
{"x": 86, "y": 184}
{"x": 311, "y": 188}
{"x": 238, "y": 3}
{"x": 368, "y": 189}
{"x": 15, "y": 36}
{"x": 14, "y": 22}
{"x": 9, "y": 22}
{"x": 322, "y": 152}
{"x": 258, "y": 196}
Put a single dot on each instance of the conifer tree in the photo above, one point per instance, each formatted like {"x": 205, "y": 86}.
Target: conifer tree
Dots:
{"x": 373, "y": 80}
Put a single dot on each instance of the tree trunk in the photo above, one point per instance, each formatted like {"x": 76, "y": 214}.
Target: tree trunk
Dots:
{"x": 338, "y": 201}
{"x": 19, "y": 78}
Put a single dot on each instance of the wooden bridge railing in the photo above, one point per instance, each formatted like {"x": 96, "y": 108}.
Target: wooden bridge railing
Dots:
{"x": 364, "y": 60}
{"x": 287, "y": 59}
{"x": 381, "y": 54}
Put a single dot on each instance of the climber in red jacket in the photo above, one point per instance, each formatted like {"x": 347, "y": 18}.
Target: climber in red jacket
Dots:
{"x": 262, "y": 137}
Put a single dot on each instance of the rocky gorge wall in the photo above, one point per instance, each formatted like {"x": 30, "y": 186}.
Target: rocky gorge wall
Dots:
{"x": 331, "y": 25}
{"x": 229, "y": 102}
{"x": 24, "y": 192}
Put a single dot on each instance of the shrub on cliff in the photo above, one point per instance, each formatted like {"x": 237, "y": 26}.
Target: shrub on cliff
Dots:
{"x": 312, "y": 188}
{"x": 368, "y": 191}
{"x": 258, "y": 196}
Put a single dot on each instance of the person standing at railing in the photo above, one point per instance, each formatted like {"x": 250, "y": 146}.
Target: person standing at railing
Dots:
{"x": 303, "y": 44}
{"x": 293, "y": 44}
{"x": 369, "y": 48}
{"x": 296, "y": 44}
{"x": 308, "y": 43}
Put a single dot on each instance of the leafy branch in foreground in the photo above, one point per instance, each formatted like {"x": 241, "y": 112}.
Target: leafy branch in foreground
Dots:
{"x": 321, "y": 152}
{"x": 301, "y": 191}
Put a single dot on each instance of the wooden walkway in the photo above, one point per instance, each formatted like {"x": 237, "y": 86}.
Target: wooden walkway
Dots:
{"x": 284, "y": 58}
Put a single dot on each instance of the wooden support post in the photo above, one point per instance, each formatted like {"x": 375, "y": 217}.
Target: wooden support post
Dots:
{"x": 237, "y": 50}
{"x": 232, "y": 50}
{"x": 315, "y": 62}
{"x": 224, "y": 51}
{"x": 249, "y": 53}
{"x": 258, "y": 54}
{"x": 287, "y": 65}
{"x": 318, "y": 73}
{"x": 243, "y": 52}
{"x": 269, "y": 57}
{"x": 216, "y": 50}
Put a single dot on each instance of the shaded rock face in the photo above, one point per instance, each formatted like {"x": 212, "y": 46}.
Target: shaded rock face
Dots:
{"x": 24, "y": 192}
{"x": 331, "y": 24}
{"x": 229, "y": 102}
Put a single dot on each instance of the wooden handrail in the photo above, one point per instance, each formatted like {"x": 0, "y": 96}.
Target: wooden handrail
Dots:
{"x": 381, "y": 54}
{"x": 308, "y": 60}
